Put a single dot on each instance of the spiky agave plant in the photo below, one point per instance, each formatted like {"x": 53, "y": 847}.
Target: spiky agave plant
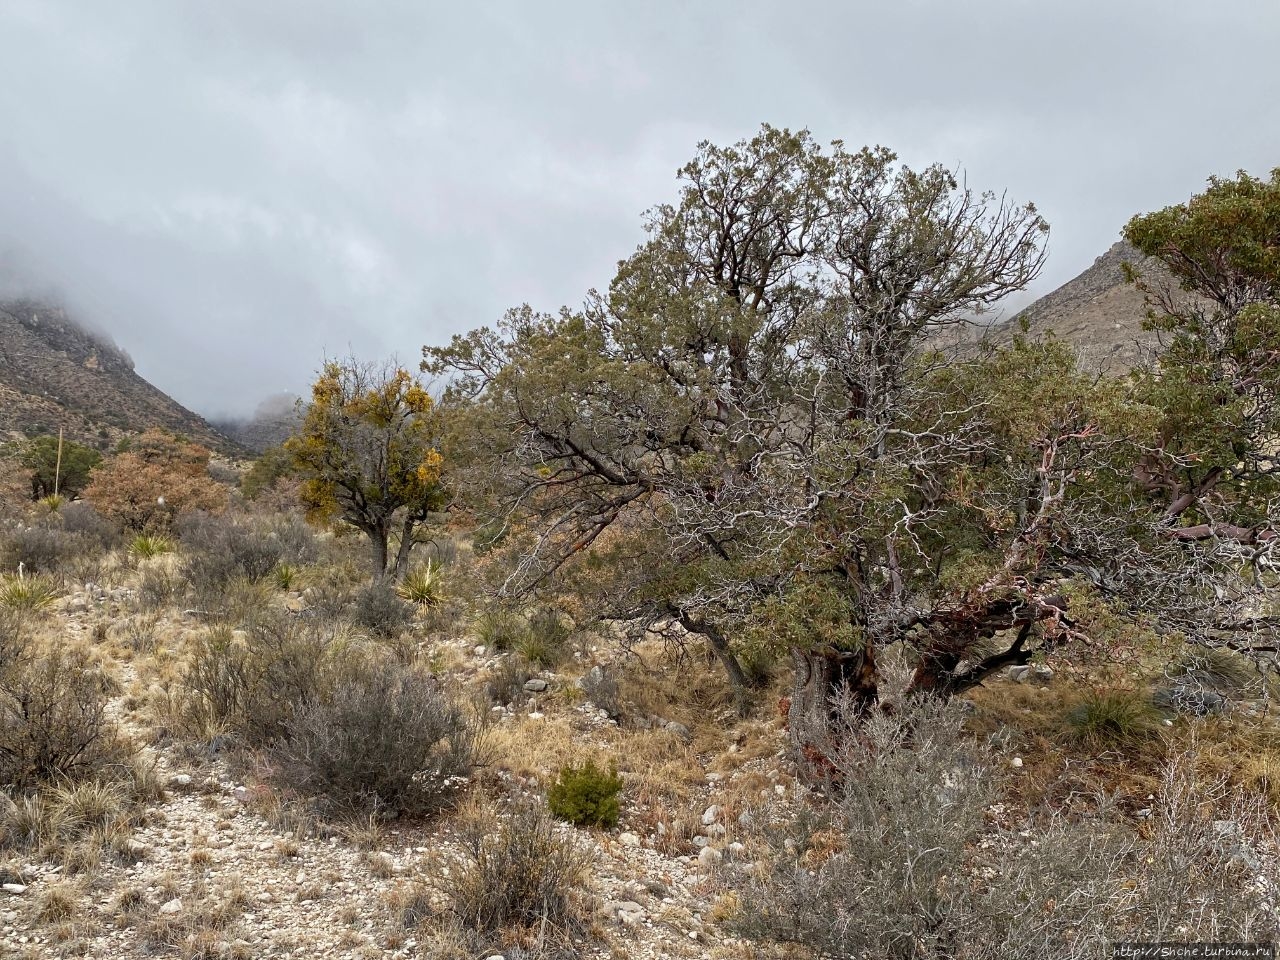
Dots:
{"x": 146, "y": 545}
{"x": 27, "y": 594}
{"x": 422, "y": 585}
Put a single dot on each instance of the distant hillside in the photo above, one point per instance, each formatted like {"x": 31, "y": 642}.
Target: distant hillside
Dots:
{"x": 54, "y": 373}
{"x": 272, "y": 423}
{"x": 1098, "y": 312}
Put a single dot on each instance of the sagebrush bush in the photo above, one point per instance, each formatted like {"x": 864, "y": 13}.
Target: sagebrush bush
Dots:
{"x": 221, "y": 549}
{"x": 42, "y": 548}
{"x": 250, "y": 684}
{"x": 901, "y": 863}
{"x": 518, "y": 873}
{"x": 53, "y": 720}
{"x": 81, "y": 519}
{"x": 586, "y": 796}
{"x": 387, "y": 738}
{"x": 871, "y": 875}
{"x": 378, "y": 610}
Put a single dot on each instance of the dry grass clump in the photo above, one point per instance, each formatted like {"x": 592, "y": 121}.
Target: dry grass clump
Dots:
{"x": 521, "y": 879}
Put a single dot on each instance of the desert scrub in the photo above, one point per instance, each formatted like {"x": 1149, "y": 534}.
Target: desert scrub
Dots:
{"x": 387, "y": 739}
{"x": 53, "y": 720}
{"x": 518, "y": 874}
{"x": 586, "y": 796}
{"x": 378, "y": 610}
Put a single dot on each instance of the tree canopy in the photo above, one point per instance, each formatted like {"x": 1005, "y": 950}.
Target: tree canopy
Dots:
{"x": 152, "y": 480}
{"x": 757, "y": 435}
{"x": 50, "y": 473}
{"x": 367, "y": 449}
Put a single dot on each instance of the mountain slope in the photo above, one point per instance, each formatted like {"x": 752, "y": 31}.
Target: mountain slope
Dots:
{"x": 54, "y": 373}
{"x": 1098, "y": 312}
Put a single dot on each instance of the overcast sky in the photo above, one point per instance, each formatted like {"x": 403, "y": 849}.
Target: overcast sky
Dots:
{"x": 236, "y": 188}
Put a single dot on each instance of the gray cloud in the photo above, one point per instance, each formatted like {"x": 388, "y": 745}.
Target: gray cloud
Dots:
{"x": 234, "y": 189}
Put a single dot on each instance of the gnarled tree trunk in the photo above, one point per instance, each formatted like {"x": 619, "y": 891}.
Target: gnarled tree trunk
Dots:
{"x": 832, "y": 688}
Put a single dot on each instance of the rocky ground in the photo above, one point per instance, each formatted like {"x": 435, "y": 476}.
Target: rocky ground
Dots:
{"x": 221, "y": 867}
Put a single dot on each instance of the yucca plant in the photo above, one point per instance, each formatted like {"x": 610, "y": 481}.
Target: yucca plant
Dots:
{"x": 423, "y": 585}
{"x": 53, "y": 503}
{"x": 28, "y": 594}
{"x": 146, "y": 545}
{"x": 285, "y": 575}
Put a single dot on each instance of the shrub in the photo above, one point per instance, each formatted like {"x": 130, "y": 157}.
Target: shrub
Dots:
{"x": 28, "y": 594}
{"x": 500, "y": 629}
{"x": 387, "y": 738}
{"x": 147, "y": 545}
{"x": 517, "y": 873}
{"x": 156, "y": 478}
{"x": 601, "y": 687}
{"x": 82, "y": 519}
{"x": 222, "y": 549}
{"x": 43, "y": 548}
{"x": 586, "y": 796}
{"x": 505, "y": 682}
{"x": 1111, "y": 719}
{"x": 251, "y": 686}
{"x": 422, "y": 585}
{"x": 377, "y": 609}
{"x": 53, "y": 720}
{"x": 158, "y": 586}
{"x": 870, "y": 876}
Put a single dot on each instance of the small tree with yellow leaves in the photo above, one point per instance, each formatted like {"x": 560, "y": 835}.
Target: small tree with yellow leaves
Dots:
{"x": 367, "y": 452}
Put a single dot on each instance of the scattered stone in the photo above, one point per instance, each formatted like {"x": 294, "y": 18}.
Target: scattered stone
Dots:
{"x": 710, "y": 857}
{"x": 626, "y": 912}
{"x": 1019, "y": 672}
{"x": 680, "y": 730}
{"x": 629, "y": 840}
{"x": 17, "y": 889}
{"x": 182, "y": 781}
{"x": 171, "y": 907}
{"x": 1143, "y": 814}
{"x": 1042, "y": 672}
{"x": 737, "y": 849}
{"x": 535, "y": 685}
{"x": 711, "y": 814}
{"x": 479, "y": 650}
{"x": 1016, "y": 763}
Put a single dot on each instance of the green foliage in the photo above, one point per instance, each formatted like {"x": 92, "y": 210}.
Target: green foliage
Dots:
{"x": 146, "y": 545}
{"x": 273, "y": 465}
{"x": 367, "y": 453}
{"x": 28, "y": 594}
{"x": 1112, "y": 719}
{"x": 422, "y": 585}
{"x": 586, "y": 796}
{"x": 69, "y": 478}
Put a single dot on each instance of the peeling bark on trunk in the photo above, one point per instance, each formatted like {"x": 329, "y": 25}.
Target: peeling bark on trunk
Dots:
{"x": 825, "y": 680}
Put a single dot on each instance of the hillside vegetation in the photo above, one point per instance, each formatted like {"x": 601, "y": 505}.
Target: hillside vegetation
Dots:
{"x": 725, "y": 617}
